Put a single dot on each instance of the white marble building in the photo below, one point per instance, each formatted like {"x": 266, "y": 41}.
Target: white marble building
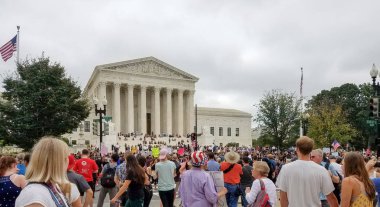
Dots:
{"x": 149, "y": 96}
{"x": 222, "y": 126}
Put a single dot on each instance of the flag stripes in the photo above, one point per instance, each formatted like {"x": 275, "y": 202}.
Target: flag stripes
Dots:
{"x": 7, "y": 50}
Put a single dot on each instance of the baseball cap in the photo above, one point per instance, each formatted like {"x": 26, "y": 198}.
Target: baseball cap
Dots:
{"x": 163, "y": 153}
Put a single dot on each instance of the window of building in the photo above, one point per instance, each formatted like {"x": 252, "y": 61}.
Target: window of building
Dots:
{"x": 229, "y": 131}
{"x": 87, "y": 142}
{"x": 87, "y": 126}
{"x": 237, "y": 132}
{"x": 74, "y": 142}
{"x": 212, "y": 131}
{"x": 220, "y": 131}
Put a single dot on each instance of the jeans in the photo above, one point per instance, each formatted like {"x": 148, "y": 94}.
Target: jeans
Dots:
{"x": 167, "y": 198}
{"x": 324, "y": 203}
{"x": 135, "y": 203}
{"x": 102, "y": 195}
{"x": 232, "y": 195}
{"x": 244, "y": 201}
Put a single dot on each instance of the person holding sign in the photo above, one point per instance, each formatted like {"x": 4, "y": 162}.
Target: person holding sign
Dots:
{"x": 197, "y": 186}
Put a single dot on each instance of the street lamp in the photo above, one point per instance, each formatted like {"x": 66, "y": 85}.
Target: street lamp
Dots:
{"x": 101, "y": 112}
{"x": 305, "y": 123}
{"x": 376, "y": 91}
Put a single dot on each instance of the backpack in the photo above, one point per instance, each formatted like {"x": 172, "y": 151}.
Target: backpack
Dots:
{"x": 107, "y": 179}
{"x": 262, "y": 199}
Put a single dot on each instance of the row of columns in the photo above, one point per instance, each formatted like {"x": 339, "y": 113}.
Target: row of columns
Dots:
{"x": 156, "y": 122}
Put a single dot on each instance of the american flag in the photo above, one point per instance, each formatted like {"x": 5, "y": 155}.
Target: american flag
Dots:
{"x": 7, "y": 50}
{"x": 335, "y": 145}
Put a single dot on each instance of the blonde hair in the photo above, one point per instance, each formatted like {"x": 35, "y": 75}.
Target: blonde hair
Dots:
{"x": 48, "y": 162}
{"x": 261, "y": 167}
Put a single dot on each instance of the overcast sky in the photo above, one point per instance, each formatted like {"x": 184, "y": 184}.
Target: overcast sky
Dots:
{"x": 238, "y": 49}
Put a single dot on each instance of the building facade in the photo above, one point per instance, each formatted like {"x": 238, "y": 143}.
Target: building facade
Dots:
{"x": 147, "y": 96}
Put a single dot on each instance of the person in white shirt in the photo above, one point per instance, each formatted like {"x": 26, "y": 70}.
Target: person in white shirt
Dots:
{"x": 260, "y": 172}
{"x": 302, "y": 181}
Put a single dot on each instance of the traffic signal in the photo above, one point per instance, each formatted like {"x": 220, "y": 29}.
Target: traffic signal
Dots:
{"x": 95, "y": 128}
{"x": 374, "y": 107}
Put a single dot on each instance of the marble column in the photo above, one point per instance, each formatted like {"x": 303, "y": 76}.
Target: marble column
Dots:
{"x": 157, "y": 126}
{"x": 143, "y": 109}
{"x": 191, "y": 112}
{"x": 131, "y": 113}
{"x": 169, "y": 110}
{"x": 102, "y": 91}
{"x": 116, "y": 107}
{"x": 180, "y": 111}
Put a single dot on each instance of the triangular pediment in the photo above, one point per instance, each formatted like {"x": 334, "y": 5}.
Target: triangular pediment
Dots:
{"x": 149, "y": 66}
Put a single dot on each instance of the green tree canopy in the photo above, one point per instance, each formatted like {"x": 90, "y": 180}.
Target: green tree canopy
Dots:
{"x": 328, "y": 123}
{"x": 40, "y": 100}
{"x": 353, "y": 100}
{"x": 278, "y": 114}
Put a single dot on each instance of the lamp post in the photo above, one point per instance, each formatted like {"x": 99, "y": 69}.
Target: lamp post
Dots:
{"x": 101, "y": 112}
{"x": 376, "y": 91}
{"x": 305, "y": 123}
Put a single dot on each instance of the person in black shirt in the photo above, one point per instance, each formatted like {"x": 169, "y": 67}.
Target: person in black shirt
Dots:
{"x": 134, "y": 182}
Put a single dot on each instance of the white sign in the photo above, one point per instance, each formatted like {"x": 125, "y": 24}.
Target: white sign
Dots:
{"x": 217, "y": 176}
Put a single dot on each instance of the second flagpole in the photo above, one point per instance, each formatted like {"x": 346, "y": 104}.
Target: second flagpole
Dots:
{"x": 18, "y": 44}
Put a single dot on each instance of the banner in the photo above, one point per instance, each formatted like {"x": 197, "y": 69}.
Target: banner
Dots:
{"x": 155, "y": 152}
{"x": 181, "y": 151}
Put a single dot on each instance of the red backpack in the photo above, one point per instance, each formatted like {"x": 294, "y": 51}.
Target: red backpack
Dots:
{"x": 262, "y": 199}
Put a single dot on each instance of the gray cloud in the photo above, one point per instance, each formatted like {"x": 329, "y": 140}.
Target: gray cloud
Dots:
{"x": 238, "y": 49}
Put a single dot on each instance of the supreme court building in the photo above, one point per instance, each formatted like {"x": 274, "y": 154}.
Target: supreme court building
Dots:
{"x": 144, "y": 96}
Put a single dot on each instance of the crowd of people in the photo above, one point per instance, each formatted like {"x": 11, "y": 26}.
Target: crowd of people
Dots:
{"x": 51, "y": 176}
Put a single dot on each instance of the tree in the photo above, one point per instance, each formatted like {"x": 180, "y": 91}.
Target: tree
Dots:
{"x": 278, "y": 114}
{"x": 328, "y": 123}
{"x": 353, "y": 100}
{"x": 40, "y": 100}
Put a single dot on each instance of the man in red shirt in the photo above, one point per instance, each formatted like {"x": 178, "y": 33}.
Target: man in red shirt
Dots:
{"x": 86, "y": 167}
{"x": 231, "y": 173}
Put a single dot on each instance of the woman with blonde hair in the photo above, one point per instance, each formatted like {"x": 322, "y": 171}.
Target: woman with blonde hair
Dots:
{"x": 46, "y": 173}
{"x": 357, "y": 189}
{"x": 260, "y": 173}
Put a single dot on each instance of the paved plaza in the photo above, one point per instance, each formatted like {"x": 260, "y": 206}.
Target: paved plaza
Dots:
{"x": 155, "y": 200}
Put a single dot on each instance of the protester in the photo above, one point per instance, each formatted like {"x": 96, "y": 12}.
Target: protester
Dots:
{"x": 165, "y": 170}
{"x": 357, "y": 189}
{"x": 20, "y": 164}
{"x": 80, "y": 182}
{"x": 148, "y": 191}
{"x": 197, "y": 187}
{"x": 48, "y": 184}
{"x": 231, "y": 174}
{"x": 10, "y": 182}
{"x": 260, "y": 173}
{"x": 120, "y": 177}
{"x": 212, "y": 165}
{"x": 246, "y": 179}
{"x": 86, "y": 167}
{"x": 26, "y": 159}
{"x": 134, "y": 183}
{"x": 317, "y": 157}
{"x": 108, "y": 181}
{"x": 300, "y": 182}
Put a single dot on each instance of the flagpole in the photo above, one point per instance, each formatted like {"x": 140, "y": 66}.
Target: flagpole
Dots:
{"x": 18, "y": 44}
{"x": 301, "y": 131}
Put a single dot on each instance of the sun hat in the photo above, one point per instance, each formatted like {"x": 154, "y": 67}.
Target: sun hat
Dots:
{"x": 232, "y": 157}
{"x": 163, "y": 153}
{"x": 71, "y": 162}
{"x": 198, "y": 159}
